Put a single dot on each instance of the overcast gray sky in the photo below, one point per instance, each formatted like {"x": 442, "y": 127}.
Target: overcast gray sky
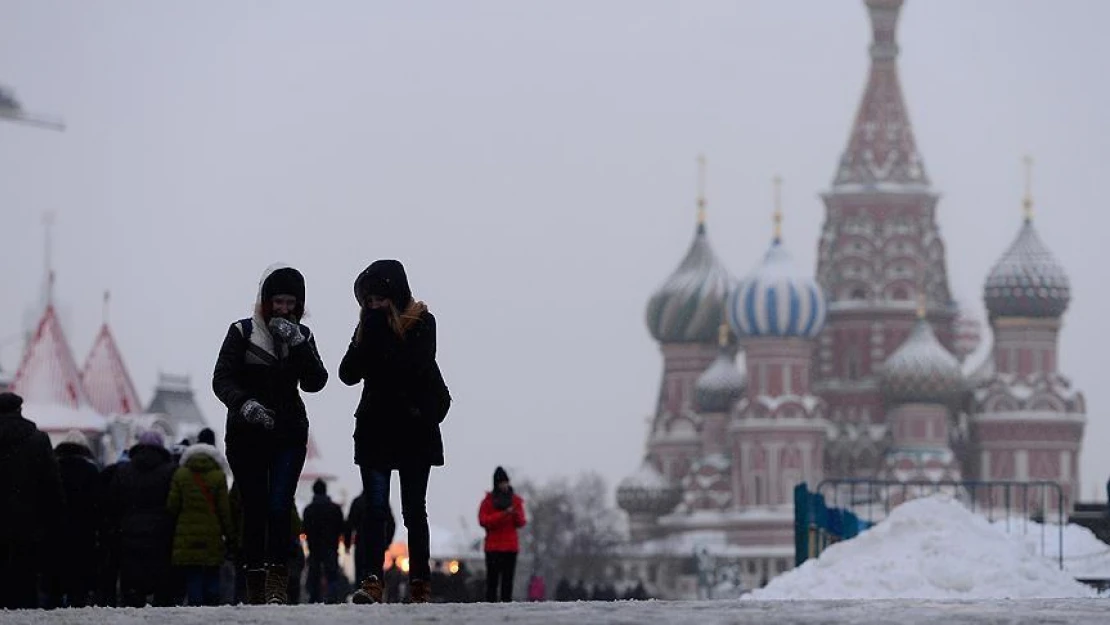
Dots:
{"x": 533, "y": 164}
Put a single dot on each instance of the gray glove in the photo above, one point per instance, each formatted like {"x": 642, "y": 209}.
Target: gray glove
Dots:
{"x": 257, "y": 414}
{"x": 286, "y": 331}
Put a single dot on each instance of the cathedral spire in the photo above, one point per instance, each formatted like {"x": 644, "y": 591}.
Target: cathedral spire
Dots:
{"x": 881, "y": 152}
{"x": 48, "y": 258}
{"x": 1027, "y": 200}
{"x": 701, "y": 192}
{"x": 777, "y": 215}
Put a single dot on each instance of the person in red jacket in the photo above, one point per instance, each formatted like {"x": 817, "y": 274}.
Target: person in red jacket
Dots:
{"x": 501, "y": 514}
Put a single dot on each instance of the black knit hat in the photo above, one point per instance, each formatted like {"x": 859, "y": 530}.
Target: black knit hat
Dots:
{"x": 499, "y": 475}
{"x": 319, "y": 487}
{"x": 10, "y": 403}
{"x": 284, "y": 281}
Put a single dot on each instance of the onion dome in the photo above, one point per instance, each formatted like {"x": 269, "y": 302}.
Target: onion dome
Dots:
{"x": 690, "y": 304}
{"x": 921, "y": 370}
{"x": 722, "y": 384}
{"x": 1027, "y": 281}
{"x": 777, "y": 299}
{"x": 648, "y": 492}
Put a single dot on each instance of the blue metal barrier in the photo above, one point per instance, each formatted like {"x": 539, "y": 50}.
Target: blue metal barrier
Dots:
{"x": 816, "y": 525}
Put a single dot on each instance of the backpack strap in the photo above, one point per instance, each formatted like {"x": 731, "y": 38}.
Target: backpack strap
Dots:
{"x": 246, "y": 326}
{"x": 204, "y": 490}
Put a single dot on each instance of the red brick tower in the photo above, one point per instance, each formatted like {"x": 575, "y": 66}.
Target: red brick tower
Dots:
{"x": 880, "y": 241}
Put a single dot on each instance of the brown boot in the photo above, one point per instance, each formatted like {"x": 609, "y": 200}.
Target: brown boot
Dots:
{"x": 420, "y": 591}
{"x": 256, "y": 586}
{"x": 277, "y": 584}
{"x": 369, "y": 591}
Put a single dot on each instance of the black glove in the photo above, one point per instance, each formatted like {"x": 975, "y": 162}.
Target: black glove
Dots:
{"x": 257, "y": 414}
{"x": 376, "y": 326}
{"x": 286, "y": 331}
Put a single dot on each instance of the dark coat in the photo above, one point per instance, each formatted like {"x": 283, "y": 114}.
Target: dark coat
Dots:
{"x": 356, "y": 516}
{"x": 398, "y": 373}
{"x": 81, "y": 517}
{"x": 270, "y": 379}
{"x": 323, "y": 525}
{"x": 203, "y": 531}
{"x": 136, "y": 503}
{"x": 31, "y": 495}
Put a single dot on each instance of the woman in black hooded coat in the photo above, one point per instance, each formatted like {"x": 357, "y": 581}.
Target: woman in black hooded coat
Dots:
{"x": 404, "y": 399}
{"x": 263, "y": 362}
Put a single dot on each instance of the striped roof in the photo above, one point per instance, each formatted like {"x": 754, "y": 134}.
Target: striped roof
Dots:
{"x": 777, "y": 299}
{"x": 105, "y": 378}
{"x": 48, "y": 374}
{"x": 689, "y": 307}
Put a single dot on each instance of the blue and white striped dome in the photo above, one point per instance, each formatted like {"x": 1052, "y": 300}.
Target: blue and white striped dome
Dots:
{"x": 777, "y": 299}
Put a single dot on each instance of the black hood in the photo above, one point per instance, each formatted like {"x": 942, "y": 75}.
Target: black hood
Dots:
{"x": 281, "y": 279}
{"x": 385, "y": 278}
{"x": 147, "y": 457}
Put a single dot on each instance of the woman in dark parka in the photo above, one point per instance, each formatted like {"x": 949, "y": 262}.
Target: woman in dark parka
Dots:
{"x": 397, "y": 421}
{"x": 262, "y": 362}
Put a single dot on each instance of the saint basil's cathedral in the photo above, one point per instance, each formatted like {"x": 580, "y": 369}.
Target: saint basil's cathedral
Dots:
{"x": 857, "y": 370}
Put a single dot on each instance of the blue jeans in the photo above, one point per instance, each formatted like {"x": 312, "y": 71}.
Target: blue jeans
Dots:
{"x": 414, "y": 509}
{"x": 202, "y": 584}
{"x": 267, "y": 481}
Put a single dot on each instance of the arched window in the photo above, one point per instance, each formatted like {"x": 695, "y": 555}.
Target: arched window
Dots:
{"x": 859, "y": 294}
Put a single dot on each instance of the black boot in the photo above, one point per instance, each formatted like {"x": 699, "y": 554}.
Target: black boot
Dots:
{"x": 256, "y": 586}
{"x": 277, "y": 584}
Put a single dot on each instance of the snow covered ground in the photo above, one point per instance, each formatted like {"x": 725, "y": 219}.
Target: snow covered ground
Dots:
{"x": 932, "y": 548}
{"x": 905, "y": 612}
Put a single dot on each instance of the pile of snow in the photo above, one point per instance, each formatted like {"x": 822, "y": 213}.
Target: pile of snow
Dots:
{"x": 1085, "y": 556}
{"x": 928, "y": 548}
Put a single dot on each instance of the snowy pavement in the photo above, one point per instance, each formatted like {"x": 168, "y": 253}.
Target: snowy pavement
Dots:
{"x": 903, "y": 611}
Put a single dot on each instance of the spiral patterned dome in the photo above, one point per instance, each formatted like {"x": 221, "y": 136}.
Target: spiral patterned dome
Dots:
{"x": 690, "y": 304}
{"x": 1027, "y": 281}
{"x": 721, "y": 385}
{"x": 921, "y": 370}
{"x": 648, "y": 492}
{"x": 777, "y": 299}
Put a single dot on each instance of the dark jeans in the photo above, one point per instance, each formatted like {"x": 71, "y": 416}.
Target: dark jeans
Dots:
{"x": 267, "y": 481}
{"x": 500, "y": 568}
{"x": 202, "y": 584}
{"x": 19, "y": 566}
{"x": 414, "y": 510}
{"x": 362, "y": 564}
{"x": 322, "y": 565}
{"x": 73, "y": 580}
